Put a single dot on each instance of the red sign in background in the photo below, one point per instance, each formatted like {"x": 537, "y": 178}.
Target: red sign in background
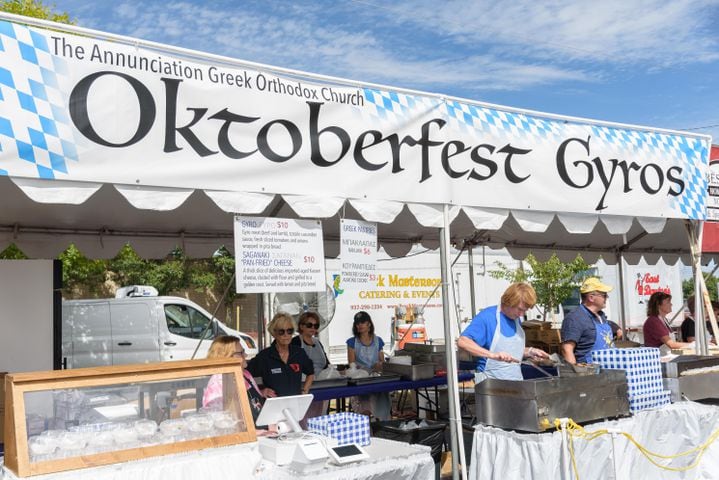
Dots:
{"x": 710, "y": 240}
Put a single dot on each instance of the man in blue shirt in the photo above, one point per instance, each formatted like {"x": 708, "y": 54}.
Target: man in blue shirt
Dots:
{"x": 496, "y": 337}
{"x": 586, "y": 328}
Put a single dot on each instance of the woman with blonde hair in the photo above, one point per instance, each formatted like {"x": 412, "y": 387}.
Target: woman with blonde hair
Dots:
{"x": 281, "y": 365}
{"x": 496, "y": 338}
{"x": 227, "y": 346}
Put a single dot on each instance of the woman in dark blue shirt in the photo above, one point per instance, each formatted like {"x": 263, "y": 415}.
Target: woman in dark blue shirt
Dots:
{"x": 281, "y": 365}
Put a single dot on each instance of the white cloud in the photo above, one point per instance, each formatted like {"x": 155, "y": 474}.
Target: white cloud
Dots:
{"x": 309, "y": 42}
{"x": 645, "y": 32}
{"x": 478, "y": 45}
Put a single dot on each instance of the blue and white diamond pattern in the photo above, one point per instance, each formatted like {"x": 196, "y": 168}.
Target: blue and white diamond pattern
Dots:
{"x": 37, "y": 139}
{"x": 667, "y": 149}
{"x": 650, "y": 146}
{"x": 391, "y": 108}
{"x": 473, "y": 118}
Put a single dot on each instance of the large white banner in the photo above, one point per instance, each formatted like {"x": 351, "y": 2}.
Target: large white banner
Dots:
{"x": 80, "y": 108}
{"x": 279, "y": 255}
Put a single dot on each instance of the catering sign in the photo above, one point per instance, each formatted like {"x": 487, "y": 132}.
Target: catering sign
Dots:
{"x": 80, "y": 108}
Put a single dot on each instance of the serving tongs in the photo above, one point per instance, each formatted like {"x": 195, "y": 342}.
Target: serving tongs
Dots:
{"x": 536, "y": 367}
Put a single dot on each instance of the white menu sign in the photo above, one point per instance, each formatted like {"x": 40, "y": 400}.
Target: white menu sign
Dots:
{"x": 279, "y": 255}
{"x": 358, "y": 251}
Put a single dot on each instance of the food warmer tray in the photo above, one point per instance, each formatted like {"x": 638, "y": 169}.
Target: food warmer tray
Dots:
{"x": 424, "y": 347}
{"x": 532, "y": 405}
{"x": 385, "y": 377}
{"x": 699, "y": 386}
{"x": 420, "y": 371}
{"x": 328, "y": 383}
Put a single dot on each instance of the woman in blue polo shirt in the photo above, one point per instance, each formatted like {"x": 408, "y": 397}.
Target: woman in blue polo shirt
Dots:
{"x": 281, "y": 365}
{"x": 496, "y": 337}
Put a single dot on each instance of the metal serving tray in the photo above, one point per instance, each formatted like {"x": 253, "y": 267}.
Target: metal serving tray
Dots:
{"x": 699, "y": 386}
{"x": 675, "y": 367}
{"x": 329, "y": 383}
{"x": 424, "y": 347}
{"x": 384, "y": 377}
{"x": 420, "y": 371}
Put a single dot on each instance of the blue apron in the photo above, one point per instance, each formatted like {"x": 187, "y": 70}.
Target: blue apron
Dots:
{"x": 603, "y": 338}
{"x": 513, "y": 345}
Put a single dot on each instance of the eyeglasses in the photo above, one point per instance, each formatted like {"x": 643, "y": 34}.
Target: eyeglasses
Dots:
{"x": 240, "y": 354}
{"x": 312, "y": 325}
{"x": 282, "y": 331}
{"x": 601, "y": 294}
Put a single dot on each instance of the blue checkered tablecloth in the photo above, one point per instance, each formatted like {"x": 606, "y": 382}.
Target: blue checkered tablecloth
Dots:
{"x": 644, "y": 374}
{"x": 345, "y": 427}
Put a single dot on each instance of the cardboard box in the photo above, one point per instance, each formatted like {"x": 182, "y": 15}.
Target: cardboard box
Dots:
{"x": 545, "y": 335}
{"x": 536, "y": 325}
{"x": 550, "y": 337}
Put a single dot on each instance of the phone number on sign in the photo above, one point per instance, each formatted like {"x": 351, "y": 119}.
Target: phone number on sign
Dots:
{"x": 373, "y": 306}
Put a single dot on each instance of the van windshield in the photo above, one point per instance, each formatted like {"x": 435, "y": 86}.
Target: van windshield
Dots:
{"x": 186, "y": 321}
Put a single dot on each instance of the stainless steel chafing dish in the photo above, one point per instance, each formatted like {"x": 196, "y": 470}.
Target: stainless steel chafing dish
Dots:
{"x": 424, "y": 347}
{"x": 692, "y": 377}
{"x": 430, "y": 353}
{"x": 532, "y": 405}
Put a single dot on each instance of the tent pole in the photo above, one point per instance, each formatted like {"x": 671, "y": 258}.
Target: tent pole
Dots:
{"x": 470, "y": 261}
{"x": 450, "y": 352}
{"x": 694, "y": 231}
{"x": 622, "y": 307}
{"x": 262, "y": 319}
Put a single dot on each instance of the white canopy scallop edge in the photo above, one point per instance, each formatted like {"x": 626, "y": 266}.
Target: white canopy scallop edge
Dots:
{"x": 42, "y": 217}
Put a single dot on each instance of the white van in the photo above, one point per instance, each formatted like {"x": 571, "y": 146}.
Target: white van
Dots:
{"x": 138, "y": 329}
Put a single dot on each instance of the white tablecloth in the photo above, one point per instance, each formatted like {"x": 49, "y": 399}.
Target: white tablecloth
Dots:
{"x": 388, "y": 460}
{"x": 500, "y": 455}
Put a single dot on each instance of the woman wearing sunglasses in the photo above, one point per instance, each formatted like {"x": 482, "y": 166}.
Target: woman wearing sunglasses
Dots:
{"x": 308, "y": 325}
{"x": 281, "y": 365}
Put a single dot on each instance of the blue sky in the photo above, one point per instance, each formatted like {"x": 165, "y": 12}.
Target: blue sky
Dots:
{"x": 645, "y": 62}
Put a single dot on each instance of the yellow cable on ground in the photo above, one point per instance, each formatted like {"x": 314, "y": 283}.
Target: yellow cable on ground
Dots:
{"x": 576, "y": 430}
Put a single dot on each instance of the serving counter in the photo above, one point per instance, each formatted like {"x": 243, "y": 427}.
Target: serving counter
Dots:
{"x": 388, "y": 460}
{"x": 500, "y": 454}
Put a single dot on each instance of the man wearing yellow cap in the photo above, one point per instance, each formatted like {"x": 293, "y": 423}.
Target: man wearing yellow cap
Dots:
{"x": 586, "y": 328}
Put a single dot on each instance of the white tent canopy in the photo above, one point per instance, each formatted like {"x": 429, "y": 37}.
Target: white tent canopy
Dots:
{"x": 106, "y": 140}
{"x": 118, "y": 145}
{"x": 42, "y": 217}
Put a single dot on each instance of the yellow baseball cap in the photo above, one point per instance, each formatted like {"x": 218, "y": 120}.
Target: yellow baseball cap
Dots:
{"x": 592, "y": 284}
